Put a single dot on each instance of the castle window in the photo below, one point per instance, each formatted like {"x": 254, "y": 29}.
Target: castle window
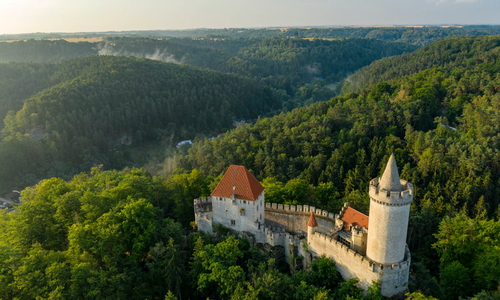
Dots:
{"x": 345, "y": 238}
{"x": 233, "y": 222}
{"x": 345, "y": 242}
{"x": 242, "y": 211}
{"x": 244, "y": 202}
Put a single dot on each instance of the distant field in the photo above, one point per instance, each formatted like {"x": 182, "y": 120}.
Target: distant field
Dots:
{"x": 71, "y": 40}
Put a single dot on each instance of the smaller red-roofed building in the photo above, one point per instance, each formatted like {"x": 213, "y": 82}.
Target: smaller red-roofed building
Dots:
{"x": 352, "y": 217}
{"x": 354, "y": 231}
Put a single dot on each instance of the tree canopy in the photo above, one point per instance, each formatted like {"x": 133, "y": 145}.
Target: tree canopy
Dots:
{"x": 119, "y": 234}
{"x": 107, "y": 103}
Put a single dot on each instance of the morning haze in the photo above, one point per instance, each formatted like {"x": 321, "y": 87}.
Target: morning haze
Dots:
{"x": 22, "y": 16}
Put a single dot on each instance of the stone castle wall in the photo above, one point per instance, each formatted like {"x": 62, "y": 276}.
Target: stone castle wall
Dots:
{"x": 295, "y": 217}
{"x": 203, "y": 214}
{"x": 393, "y": 277}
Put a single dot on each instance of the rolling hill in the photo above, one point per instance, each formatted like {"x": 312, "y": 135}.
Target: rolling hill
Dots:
{"x": 105, "y": 103}
{"x": 450, "y": 55}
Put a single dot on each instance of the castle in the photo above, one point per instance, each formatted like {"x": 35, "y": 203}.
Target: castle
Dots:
{"x": 370, "y": 248}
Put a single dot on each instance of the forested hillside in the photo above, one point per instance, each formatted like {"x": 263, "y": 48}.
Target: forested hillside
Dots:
{"x": 105, "y": 103}
{"x": 19, "y": 81}
{"x": 300, "y": 68}
{"x": 280, "y": 63}
{"x": 68, "y": 116}
{"x": 334, "y": 148}
{"x": 451, "y": 55}
{"x": 284, "y": 64}
{"x": 44, "y": 50}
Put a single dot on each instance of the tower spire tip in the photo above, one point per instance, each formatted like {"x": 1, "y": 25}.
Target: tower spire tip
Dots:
{"x": 390, "y": 179}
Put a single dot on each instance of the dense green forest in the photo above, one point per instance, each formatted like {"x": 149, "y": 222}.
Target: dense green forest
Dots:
{"x": 455, "y": 55}
{"x": 443, "y": 127}
{"x": 106, "y": 103}
{"x": 124, "y": 234}
{"x": 62, "y": 118}
{"x": 280, "y": 63}
{"x": 44, "y": 50}
{"x": 285, "y": 64}
{"x": 20, "y": 81}
{"x": 419, "y": 36}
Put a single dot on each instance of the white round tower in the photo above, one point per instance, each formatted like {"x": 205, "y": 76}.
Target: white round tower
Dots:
{"x": 390, "y": 199}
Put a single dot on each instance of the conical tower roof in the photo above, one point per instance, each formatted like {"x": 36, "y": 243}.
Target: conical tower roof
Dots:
{"x": 312, "y": 221}
{"x": 390, "y": 179}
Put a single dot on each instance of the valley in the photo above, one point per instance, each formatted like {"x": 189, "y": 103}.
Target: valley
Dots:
{"x": 111, "y": 136}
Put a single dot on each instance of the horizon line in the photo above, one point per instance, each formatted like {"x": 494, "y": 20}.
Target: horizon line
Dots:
{"x": 457, "y": 25}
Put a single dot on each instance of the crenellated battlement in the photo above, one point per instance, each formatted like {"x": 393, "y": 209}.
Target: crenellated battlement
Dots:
{"x": 203, "y": 205}
{"x": 203, "y": 200}
{"x": 359, "y": 231}
{"x": 203, "y": 213}
{"x": 391, "y": 198}
{"x": 342, "y": 211}
{"x": 320, "y": 241}
{"x": 301, "y": 209}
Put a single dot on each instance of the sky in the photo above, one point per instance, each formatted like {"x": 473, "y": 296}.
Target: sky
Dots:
{"x": 25, "y": 16}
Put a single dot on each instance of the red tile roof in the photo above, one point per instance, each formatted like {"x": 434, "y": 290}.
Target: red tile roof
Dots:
{"x": 312, "y": 221}
{"x": 351, "y": 215}
{"x": 246, "y": 187}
